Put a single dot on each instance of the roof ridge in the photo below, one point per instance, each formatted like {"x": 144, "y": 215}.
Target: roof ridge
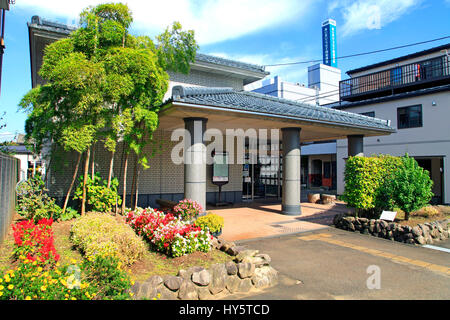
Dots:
{"x": 182, "y": 91}
{"x": 252, "y": 65}
{"x": 319, "y": 108}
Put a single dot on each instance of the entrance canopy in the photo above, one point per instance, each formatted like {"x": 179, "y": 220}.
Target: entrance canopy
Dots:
{"x": 198, "y": 109}
{"x": 226, "y": 108}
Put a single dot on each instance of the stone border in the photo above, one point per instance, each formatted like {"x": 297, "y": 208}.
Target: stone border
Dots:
{"x": 421, "y": 234}
{"x": 249, "y": 270}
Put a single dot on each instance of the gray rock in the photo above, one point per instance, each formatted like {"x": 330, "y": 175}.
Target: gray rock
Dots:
{"x": 258, "y": 260}
{"x": 173, "y": 283}
{"x": 435, "y": 234}
{"x": 244, "y": 254}
{"x": 416, "y": 231}
{"x": 265, "y": 277}
{"x": 235, "y": 250}
{"x": 226, "y": 245}
{"x": 135, "y": 288}
{"x": 201, "y": 278}
{"x": 245, "y": 269}
{"x": 155, "y": 280}
{"x": 232, "y": 283}
{"x": 425, "y": 229}
{"x": 187, "y": 291}
{"x": 218, "y": 275}
{"x": 245, "y": 285}
{"x": 147, "y": 290}
{"x": 231, "y": 268}
{"x": 204, "y": 293}
{"x": 383, "y": 224}
{"x": 420, "y": 240}
{"x": 216, "y": 243}
{"x": 163, "y": 293}
{"x": 187, "y": 274}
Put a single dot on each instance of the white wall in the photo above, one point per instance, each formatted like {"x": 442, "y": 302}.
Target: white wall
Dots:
{"x": 432, "y": 139}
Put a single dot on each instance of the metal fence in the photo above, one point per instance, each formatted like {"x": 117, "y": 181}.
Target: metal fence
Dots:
{"x": 9, "y": 175}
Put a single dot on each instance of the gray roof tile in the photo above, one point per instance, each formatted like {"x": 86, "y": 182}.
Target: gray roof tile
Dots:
{"x": 261, "y": 103}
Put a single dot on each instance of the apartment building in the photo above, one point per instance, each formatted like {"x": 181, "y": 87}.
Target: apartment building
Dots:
{"x": 412, "y": 92}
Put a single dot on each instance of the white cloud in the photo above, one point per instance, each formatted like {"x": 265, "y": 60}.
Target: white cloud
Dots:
{"x": 213, "y": 20}
{"x": 370, "y": 14}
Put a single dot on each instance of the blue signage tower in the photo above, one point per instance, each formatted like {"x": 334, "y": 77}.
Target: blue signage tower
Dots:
{"x": 329, "y": 43}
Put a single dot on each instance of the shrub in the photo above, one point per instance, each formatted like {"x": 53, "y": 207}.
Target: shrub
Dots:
{"x": 99, "y": 197}
{"x": 99, "y": 278}
{"x": 35, "y": 241}
{"x": 108, "y": 278}
{"x": 187, "y": 209}
{"x": 69, "y": 214}
{"x": 167, "y": 233}
{"x": 409, "y": 186}
{"x": 102, "y": 234}
{"x": 211, "y": 222}
{"x": 364, "y": 178}
{"x": 33, "y": 202}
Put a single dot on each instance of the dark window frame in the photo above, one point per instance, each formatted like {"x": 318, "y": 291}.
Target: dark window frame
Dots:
{"x": 405, "y": 119}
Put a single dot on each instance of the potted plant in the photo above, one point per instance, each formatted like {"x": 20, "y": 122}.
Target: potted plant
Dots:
{"x": 212, "y": 222}
{"x": 187, "y": 210}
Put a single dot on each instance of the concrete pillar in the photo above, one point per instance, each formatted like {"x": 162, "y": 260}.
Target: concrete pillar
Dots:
{"x": 290, "y": 202}
{"x": 195, "y": 161}
{"x": 355, "y": 145}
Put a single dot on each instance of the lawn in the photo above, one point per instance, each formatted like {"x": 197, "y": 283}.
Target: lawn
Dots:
{"x": 153, "y": 263}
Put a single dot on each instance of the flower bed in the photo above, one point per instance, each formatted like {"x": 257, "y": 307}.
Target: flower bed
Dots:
{"x": 35, "y": 241}
{"x": 167, "y": 233}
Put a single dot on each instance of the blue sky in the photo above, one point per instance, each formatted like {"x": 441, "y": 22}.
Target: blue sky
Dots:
{"x": 256, "y": 31}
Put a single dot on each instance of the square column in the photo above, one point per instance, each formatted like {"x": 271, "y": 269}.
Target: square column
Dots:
{"x": 195, "y": 161}
{"x": 355, "y": 145}
{"x": 290, "y": 202}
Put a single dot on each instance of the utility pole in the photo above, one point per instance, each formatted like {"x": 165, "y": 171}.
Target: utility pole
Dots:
{"x": 4, "y": 5}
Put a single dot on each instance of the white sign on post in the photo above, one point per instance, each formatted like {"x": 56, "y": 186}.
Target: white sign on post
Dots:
{"x": 388, "y": 215}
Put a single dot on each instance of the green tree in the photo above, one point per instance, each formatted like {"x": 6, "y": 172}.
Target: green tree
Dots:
{"x": 410, "y": 186}
{"x": 104, "y": 84}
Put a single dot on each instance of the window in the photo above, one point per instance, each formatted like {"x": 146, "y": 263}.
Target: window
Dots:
{"x": 409, "y": 117}
{"x": 368, "y": 114}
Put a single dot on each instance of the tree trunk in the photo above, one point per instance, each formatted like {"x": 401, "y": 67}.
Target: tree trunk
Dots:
{"x": 86, "y": 171}
{"x": 136, "y": 189}
{"x": 74, "y": 177}
{"x": 406, "y": 216}
{"x": 124, "y": 194}
{"x": 93, "y": 162}
{"x": 133, "y": 186}
{"x": 111, "y": 166}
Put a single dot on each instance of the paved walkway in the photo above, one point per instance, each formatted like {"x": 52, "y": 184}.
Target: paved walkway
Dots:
{"x": 337, "y": 264}
{"x": 258, "y": 220}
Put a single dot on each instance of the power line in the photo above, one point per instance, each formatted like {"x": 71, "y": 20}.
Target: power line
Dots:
{"x": 359, "y": 54}
{"x": 320, "y": 95}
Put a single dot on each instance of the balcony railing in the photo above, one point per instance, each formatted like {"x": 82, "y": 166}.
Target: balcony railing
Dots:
{"x": 399, "y": 79}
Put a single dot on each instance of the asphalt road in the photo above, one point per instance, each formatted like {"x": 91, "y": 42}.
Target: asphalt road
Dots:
{"x": 333, "y": 264}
